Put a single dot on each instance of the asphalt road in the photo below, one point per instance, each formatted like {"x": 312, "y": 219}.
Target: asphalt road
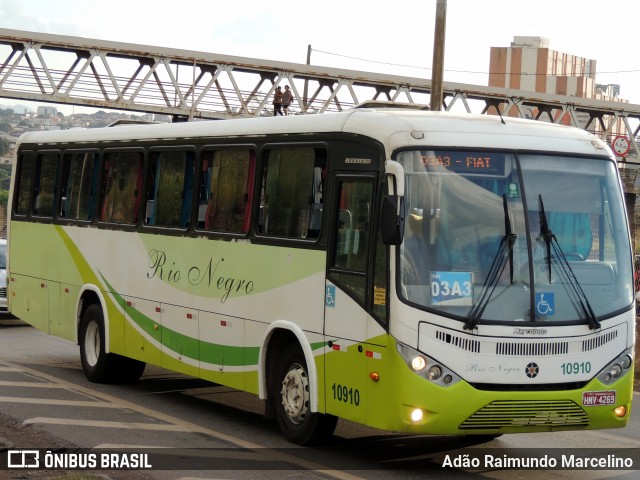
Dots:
{"x": 209, "y": 431}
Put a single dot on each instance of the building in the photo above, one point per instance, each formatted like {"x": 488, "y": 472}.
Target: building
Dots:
{"x": 47, "y": 111}
{"x": 529, "y": 64}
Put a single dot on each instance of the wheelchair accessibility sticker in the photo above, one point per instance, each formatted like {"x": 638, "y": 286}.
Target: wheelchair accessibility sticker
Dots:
{"x": 330, "y": 296}
{"x": 545, "y": 303}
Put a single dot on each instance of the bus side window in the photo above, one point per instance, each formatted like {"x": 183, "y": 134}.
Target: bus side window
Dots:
{"x": 291, "y": 202}
{"x": 45, "y": 184}
{"x": 79, "y": 185}
{"x": 24, "y": 182}
{"x": 224, "y": 196}
{"x": 121, "y": 187}
{"x": 169, "y": 188}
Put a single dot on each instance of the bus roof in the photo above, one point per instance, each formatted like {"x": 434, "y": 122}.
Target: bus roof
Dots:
{"x": 393, "y": 127}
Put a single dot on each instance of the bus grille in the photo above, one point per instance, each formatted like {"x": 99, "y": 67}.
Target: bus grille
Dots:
{"x": 522, "y": 413}
{"x": 528, "y": 349}
{"x": 3, "y": 292}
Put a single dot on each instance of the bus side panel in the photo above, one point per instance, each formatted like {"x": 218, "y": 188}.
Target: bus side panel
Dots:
{"x": 224, "y": 357}
{"x": 66, "y": 325}
{"x": 180, "y": 351}
{"x": 56, "y": 322}
{"x": 30, "y": 300}
{"x": 143, "y": 336}
{"x": 33, "y": 265}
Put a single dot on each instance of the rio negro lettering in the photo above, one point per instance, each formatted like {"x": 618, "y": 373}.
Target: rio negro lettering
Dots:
{"x": 210, "y": 274}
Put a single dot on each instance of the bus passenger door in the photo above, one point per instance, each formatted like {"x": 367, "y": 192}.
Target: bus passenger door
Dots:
{"x": 345, "y": 297}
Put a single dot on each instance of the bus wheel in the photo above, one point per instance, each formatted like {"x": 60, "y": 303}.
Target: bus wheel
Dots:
{"x": 297, "y": 422}
{"x": 99, "y": 366}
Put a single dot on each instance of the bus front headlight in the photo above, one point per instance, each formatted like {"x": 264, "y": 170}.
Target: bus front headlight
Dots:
{"x": 418, "y": 363}
{"x": 426, "y": 367}
{"x": 617, "y": 368}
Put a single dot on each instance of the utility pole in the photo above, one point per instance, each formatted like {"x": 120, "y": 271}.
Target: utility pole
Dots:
{"x": 306, "y": 83}
{"x": 437, "y": 73}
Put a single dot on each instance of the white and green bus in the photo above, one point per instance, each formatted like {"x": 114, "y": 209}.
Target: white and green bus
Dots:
{"x": 420, "y": 272}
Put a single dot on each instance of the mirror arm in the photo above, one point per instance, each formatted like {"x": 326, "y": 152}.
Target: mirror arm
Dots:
{"x": 394, "y": 168}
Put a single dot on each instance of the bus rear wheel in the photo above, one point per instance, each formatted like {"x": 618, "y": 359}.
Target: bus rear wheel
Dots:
{"x": 99, "y": 366}
{"x": 296, "y": 420}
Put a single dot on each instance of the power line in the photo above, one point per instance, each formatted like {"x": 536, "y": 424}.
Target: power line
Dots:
{"x": 459, "y": 71}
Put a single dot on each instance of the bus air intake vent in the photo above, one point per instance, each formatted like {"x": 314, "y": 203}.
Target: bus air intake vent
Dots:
{"x": 464, "y": 343}
{"x": 530, "y": 349}
{"x": 527, "y": 413}
{"x": 597, "y": 342}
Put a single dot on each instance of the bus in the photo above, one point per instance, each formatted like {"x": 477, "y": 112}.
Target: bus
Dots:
{"x": 413, "y": 271}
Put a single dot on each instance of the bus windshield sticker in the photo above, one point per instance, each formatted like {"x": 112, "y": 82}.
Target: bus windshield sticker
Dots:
{"x": 379, "y": 296}
{"x": 545, "y": 303}
{"x": 452, "y": 288}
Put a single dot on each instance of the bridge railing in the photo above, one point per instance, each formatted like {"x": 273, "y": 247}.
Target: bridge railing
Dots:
{"x": 192, "y": 85}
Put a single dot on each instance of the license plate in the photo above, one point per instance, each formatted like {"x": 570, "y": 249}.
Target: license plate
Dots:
{"x": 594, "y": 399}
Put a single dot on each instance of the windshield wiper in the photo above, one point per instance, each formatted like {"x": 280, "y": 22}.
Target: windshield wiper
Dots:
{"x": 505, "y": 252}
{"x": 552, "y": 243}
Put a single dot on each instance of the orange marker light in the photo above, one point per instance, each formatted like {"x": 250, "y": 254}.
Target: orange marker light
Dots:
{"x": 374, "y": 376}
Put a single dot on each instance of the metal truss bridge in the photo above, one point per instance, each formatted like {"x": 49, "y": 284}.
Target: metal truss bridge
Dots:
{"x": 198, "y": 85}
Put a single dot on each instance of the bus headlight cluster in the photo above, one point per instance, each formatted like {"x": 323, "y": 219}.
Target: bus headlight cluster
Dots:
{"x": 426, "y": 367}
{"x": 617, "y": 368}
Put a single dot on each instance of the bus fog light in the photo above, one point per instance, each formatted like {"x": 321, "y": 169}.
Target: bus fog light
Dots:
{"x": 418, "y": 363}
{"x": 620, "y": 411}
{"x": 416, "y": 415}
{"x": 434, "y": 373}
{"x": 447, "y": 379}
{"x": 615, "y": 371}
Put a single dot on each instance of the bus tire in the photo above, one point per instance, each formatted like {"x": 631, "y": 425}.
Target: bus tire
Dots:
{"x": 99, "y": 366}
{"x": 297, "y": 423}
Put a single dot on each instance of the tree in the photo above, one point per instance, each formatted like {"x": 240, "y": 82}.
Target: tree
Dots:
{"x": 4, "y": 146}
{"x": 5, "y": 177}
{"x": 5, "y": 126}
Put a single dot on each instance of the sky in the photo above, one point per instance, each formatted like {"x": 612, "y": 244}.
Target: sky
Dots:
{"x": 390, "y": 36}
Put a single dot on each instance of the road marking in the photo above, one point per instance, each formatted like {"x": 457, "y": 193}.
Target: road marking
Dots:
{"x": 52, "y": 401}
{"x": 179, "y": 425}
{"x": 29, "y": 384}
{"x": 106, "y": 424}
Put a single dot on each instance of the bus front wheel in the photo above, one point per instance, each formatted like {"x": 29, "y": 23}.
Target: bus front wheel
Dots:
{"x": 296, "y": 420}
{"x": 99, "y": 366}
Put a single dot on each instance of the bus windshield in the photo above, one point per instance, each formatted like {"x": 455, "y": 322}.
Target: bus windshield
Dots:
{"x": 493, "y": 237}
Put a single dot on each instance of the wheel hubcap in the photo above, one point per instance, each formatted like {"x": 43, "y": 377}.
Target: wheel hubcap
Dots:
{"x": 92, "y": 343}
{"x": 295, "y": 394}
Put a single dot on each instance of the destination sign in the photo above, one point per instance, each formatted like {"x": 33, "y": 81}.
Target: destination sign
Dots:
{"x": 491, "y": 163}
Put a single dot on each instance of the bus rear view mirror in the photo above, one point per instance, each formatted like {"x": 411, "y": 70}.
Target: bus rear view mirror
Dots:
{"x": 392, "y": 228}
